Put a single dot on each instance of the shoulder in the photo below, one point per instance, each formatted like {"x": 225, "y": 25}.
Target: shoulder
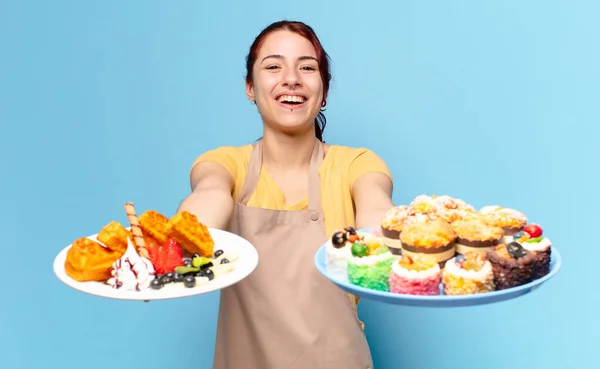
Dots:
{"x": 353, "y": 155}
{"x": 357, "y": 161}
{"x": 231, "y": 157}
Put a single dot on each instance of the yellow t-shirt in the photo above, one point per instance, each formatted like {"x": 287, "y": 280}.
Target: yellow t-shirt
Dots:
{"x": 341, "y": 166}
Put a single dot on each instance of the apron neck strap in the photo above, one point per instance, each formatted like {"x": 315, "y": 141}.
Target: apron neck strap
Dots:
{"x": 314, "y": 182}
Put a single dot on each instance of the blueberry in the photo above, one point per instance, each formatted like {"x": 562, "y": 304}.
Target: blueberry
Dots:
{"x": 224, "y": 261}
{"x": 208, "y": 274}
{"x": 188, "y": 263}
{"x": 189, "y": 281}
{"x": 338, "y": 239}
{"x": 218, "y": 253}
{"x": 156, "y": 284}
{"x": 177, "y": 278}
{"x": 459, "y": 258}
{"x": 166, "y": 279}
{"x": 170, "y": 275}
{"x": 515, "y": 250}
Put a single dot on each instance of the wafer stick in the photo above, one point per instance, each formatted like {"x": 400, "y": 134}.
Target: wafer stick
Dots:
{"x": 138, "y": 237}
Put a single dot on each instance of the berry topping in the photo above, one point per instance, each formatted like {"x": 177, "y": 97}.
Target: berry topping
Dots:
{"x": 166, "y": 279}
{"x": 338, "y": 240}
{"x": 177, "y": 277}
{"x": 165, "y": 258}
{"x": 218, "y": 253}
{"x": 224, "y": 261}
{"x": 515, "y": 250}
{"x": 359, "y": 249}
{"x": 207, "y": 273}
{"x": 187, "y": 262}
{"x": 156, "y": 284}
{"x": 533, "y": 230}
{"x": 189, "y": 281}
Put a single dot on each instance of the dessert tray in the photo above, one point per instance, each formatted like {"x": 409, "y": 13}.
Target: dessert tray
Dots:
{"x": 439, "y": 251}
{"x": 155, "y": 258}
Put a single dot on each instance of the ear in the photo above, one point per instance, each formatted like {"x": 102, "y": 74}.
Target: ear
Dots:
{"x": 250, "y": 92}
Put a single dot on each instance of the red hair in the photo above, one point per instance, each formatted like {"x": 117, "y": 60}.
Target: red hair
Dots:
{"x": 323, "y": 59}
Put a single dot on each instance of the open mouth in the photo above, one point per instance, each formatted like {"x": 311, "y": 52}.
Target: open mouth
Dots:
{"x": 291, "y": 100}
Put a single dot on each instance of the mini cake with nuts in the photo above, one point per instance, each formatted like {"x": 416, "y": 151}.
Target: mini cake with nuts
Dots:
{"x": 434, "y": 238}
{"x": 510, "y": 220}
{"x": 474, "y": 235}
{"x": 468, "y": 274}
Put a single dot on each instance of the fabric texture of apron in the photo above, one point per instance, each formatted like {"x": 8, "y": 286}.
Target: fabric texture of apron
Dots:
{"x": 286, "y": 315}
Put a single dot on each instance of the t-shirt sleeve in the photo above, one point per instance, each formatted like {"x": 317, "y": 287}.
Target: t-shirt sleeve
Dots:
{"x": 366, "y": 161}
{"x": 227, "y": 156}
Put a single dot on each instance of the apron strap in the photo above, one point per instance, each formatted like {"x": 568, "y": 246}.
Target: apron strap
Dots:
{"x": 253, "y": 174}
{"x": 314, "y": 181}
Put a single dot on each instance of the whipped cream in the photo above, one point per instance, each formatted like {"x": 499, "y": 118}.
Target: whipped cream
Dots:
{"x": 131, "y": 272}
{"x": 543, "y": 245}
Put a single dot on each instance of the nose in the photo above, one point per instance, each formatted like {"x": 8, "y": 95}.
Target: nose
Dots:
{"x": 291, "y": 78}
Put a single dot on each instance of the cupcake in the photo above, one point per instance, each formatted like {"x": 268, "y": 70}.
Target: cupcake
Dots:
{"x": 391, "y": 227}
{"x": 419, "y": 275}
{"x": 512, "y": 265}
{"x": 468, "y": 274}
{"x": 474, "y": 235}
{"x": 510, "y": 220}
{"x": 370, "y": 264}
{"x": 338, "y": 250}
{"x": 444, "y": 207}
{"x": 434, "y": 238}
{"x": 533, "y": 240}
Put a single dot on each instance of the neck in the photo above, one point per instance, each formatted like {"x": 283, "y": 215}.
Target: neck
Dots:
{"x": 281, "y": 151}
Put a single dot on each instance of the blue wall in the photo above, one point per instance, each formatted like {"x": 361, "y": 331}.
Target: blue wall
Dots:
{"x": 107, "y": 102}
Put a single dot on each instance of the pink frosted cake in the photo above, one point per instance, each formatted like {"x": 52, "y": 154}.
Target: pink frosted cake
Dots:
{"x": 415, "y": 275}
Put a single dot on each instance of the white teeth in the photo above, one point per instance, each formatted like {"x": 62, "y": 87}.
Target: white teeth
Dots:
{"x": 289, "y": 98}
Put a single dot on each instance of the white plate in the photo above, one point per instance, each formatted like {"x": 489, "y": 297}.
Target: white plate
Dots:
{"x": 228, "y": 242}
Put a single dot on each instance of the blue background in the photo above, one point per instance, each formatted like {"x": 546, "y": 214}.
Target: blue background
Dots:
{"x": 106, "y": 102}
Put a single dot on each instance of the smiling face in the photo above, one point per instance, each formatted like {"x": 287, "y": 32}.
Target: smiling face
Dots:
{"x": 287, "y": 85}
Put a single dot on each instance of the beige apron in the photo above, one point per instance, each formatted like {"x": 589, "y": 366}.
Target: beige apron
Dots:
{"x": 286, "y": 315}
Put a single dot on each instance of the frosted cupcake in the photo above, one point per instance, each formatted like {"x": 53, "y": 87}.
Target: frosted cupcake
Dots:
{"x": 415, "y": 276}
{"x": 338, "y": 250}
{"x": 510, "y": 220}
{"x": 468, "y": 274}
{"x": 370, "y": 264}
{"x": 512, "y": 265}
{"x": 533, "y": 240}
{"x": 392, "y": 225}
{"x": 433, "y": 238}
{"x": 474, "y": 235}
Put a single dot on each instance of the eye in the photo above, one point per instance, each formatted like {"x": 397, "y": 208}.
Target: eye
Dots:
{"x": 308, "y": 67}
{"x": 272, "y": 67}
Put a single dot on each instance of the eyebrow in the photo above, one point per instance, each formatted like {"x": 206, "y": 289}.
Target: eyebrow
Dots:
{"x": 277, "y": 56}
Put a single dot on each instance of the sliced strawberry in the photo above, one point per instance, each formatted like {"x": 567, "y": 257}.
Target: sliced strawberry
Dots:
{"x": 172, "y": 256}
{"x": 533, "y": 230}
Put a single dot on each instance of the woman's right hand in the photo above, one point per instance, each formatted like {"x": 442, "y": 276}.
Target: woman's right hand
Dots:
{"x": 211, "y": 198}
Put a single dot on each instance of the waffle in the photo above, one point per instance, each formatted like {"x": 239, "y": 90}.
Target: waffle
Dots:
{"x": 87, "y": 260}
{"x": 114, "y": 236}
{"x": 190, "y": 234}
{"x": 154, "y": 227}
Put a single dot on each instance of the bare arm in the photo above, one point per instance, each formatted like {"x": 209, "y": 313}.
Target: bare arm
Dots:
{"x": 211, "y": 198}
{"x": 372, "y": 194}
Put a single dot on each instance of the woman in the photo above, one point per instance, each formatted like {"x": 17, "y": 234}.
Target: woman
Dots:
{"x": 286, "y": 194}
